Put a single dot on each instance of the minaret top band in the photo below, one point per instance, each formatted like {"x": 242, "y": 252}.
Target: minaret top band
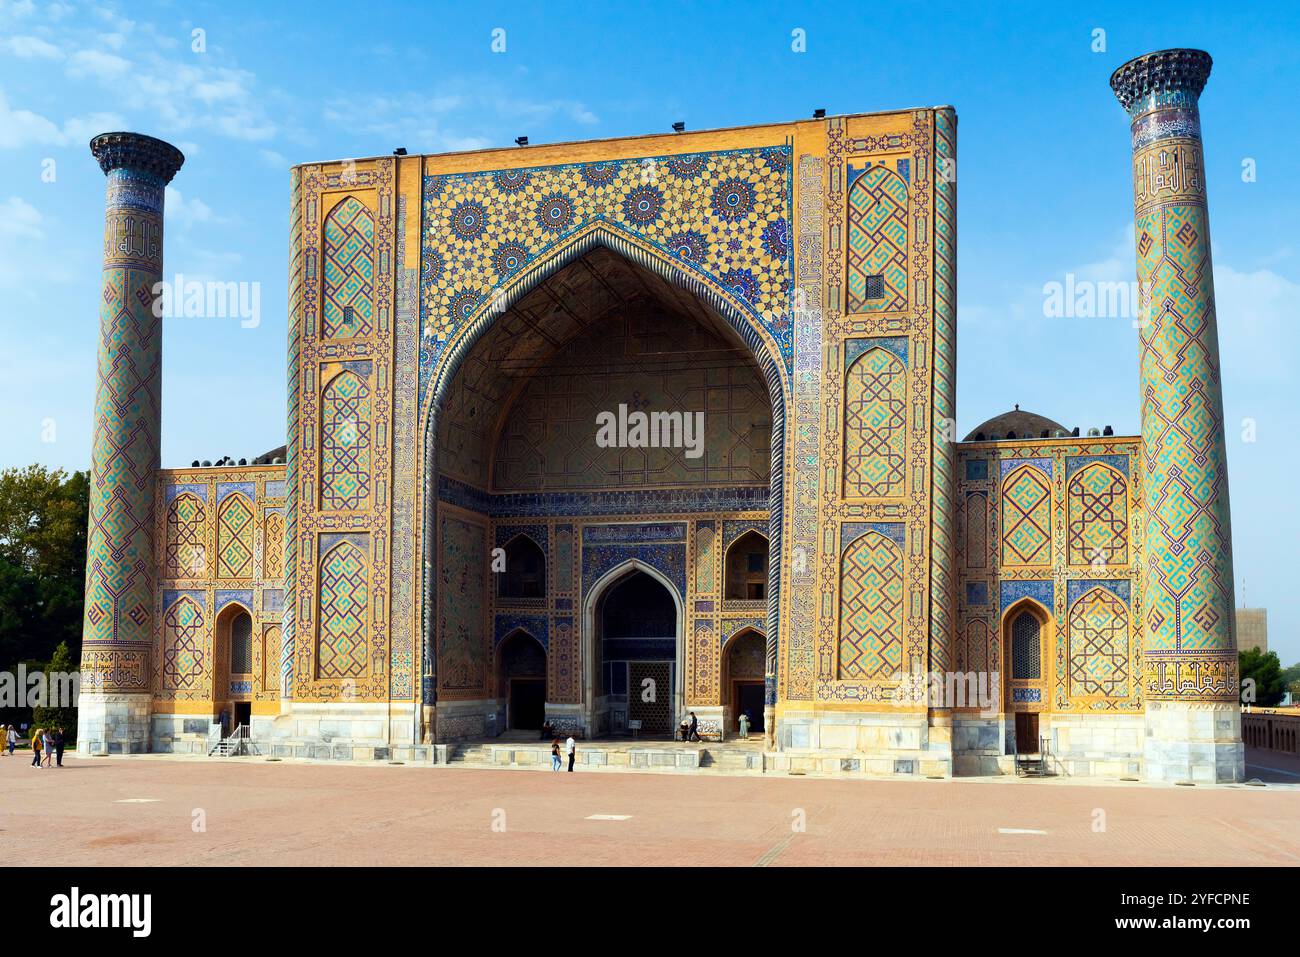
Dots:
{"x": 1163, "y": 76}
{"x": 138, "y": 152}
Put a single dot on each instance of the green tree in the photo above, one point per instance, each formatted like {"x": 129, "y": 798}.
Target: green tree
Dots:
{"x": 43, "y": 516}
{"x": 1266, "y": 672}
{"x": 1291, "y": 679}
{"x": 52, "y": 715}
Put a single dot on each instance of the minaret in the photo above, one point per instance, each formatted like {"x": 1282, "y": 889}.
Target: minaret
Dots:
{"x": 1190, "y": 673}
{"x": 117, "y": 637}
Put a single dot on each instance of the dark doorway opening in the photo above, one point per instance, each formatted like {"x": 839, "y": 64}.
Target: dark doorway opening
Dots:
{"x": 243, "y": 713}
{"x": 1026, "y": 733}
{"x": 527, "y": 703}
{"x": 522, "y": 681}
{"x": 637, "y": 642}
{"x": 749, "y": 700}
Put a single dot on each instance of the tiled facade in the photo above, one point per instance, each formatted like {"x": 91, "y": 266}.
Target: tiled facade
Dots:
{"x": 458, "y": 321}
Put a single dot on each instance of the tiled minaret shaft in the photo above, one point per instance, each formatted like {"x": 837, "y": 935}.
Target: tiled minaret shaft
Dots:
{"x": 1190, "y": 674}
{"x": 118, "y": 631}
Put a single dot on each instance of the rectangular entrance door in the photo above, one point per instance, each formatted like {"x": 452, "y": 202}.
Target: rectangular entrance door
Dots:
{"x": 650, "y": 696}
{"x": 243, "y": 713}
{"x": 749, "y": 700}
{"x": 1026, "y": 733}
{"x": 527, "y": 703}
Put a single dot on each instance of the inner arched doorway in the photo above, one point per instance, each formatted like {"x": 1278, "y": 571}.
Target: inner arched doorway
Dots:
{"x": 635, "y": 654}
{"x": 742, "y": 680}
{"x": 233, "y": 675}
{"x": 514, "y": 450}
{"x": 521, "y": 681}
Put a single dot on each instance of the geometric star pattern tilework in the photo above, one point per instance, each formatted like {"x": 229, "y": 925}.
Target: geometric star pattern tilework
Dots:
{"x": 720, "y": 214}
{"x": 184, "y": 665}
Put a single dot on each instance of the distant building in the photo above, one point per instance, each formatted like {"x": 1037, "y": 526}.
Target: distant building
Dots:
{"x": 1252, "y": 629}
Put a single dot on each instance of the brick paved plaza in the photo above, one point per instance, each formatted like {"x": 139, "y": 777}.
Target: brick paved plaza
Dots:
{"x": 139, "y": 811}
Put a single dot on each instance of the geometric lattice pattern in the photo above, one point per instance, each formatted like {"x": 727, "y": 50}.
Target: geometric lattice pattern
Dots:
{"x": 184, "y": 640}
{"x": 345, "y": 443}
{"x": 871, "y": 608}
{"x": 1099, "y": 645}
{"x": 186, "y": 550}
{"x": 875, "y": 425}
{"x": 273, "y": 546}
{"x": 877, "y": 246}
{"x": 1026, "y": 518}
{"x": 235, "y": 538}
{"x": 348, "y": 258}
{"x": 344, "y": 597}
{"x": 1026, "y": 647}
{"x": 1097, "y": 532}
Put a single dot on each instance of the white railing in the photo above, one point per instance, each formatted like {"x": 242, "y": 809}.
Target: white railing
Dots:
{"x": 234, "y": 744}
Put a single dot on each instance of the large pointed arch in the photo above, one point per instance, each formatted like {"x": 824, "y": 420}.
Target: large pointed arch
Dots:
{"x": 682, "y": 273}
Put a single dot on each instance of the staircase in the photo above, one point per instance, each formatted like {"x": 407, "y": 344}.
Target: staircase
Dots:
{"x": 235, "y": 744}
{"x": 1034, "y": 764}
{"x": 473, "y": 755}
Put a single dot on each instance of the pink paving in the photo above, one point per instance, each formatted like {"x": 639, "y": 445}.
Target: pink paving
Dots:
{"x": 260, "y": 812}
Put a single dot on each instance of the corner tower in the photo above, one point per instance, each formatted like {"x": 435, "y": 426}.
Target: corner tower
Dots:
{"x": 117, "y": 634}
{"x": 1190, "y": 673}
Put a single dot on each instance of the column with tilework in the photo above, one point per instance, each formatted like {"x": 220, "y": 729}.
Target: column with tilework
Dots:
{"x": 1190, "y": 674}
{"x": 113, "y": 712}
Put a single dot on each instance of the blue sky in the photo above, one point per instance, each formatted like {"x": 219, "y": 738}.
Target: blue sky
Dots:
{"x": 1044, "y": 183}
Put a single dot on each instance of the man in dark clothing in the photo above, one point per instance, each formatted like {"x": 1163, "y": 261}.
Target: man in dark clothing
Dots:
{"x": 695, "y": 722}
{"x": 58, "y": 747}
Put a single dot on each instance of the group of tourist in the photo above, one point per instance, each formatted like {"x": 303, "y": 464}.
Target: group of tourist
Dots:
{"x": 47, "y": 745}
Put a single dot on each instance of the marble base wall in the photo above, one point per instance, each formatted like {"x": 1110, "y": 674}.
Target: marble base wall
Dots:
{"x": 112, "y": 723}
{"x": 1197, "y": 742}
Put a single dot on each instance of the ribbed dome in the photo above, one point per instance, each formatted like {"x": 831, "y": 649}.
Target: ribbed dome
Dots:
{"x": 1017, "y": 424}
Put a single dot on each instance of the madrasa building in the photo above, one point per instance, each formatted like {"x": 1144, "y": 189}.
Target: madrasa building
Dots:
{"x": 599, "y": 434}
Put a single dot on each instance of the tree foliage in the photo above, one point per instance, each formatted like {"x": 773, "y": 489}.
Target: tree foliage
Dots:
{"x": 43, "y": 517}
{"x": 1266, "y": 671}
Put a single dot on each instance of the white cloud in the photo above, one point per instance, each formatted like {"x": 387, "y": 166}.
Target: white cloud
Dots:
{"x": 32, "y": 48}
{"x": 19, "y": 219}
{"x": 21, "y": 128}
{"x": 185, "y": 213}
{"x": 98, "y": 64}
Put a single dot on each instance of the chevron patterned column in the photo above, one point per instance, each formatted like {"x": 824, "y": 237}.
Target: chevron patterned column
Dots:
{"x": 117, "y": 636}
{"x": 1190, "y": 673}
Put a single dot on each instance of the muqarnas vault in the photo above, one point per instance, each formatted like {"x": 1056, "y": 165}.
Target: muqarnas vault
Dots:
{"x": 443, "y": 552}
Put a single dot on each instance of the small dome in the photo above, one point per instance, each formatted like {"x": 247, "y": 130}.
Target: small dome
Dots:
{"x": 1015, "y": 424}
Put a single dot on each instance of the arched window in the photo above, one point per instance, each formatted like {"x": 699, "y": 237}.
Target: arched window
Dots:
{"x": 877, "y": 247}
{"x": 746, "y": 572}
{"x": 241, "y": 644}
{"x": 1026, "y": 648}
{"x": 525, "y": 575}
{"x": 875, "y": 425}
{"x": 345, "y": 443}
{"x": 186, "y": 555}
{"x": 235, "y": 537}
{"x": 348, "y": 257}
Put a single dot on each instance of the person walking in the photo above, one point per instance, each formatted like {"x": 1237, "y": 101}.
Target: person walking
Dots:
{"x": 695, "y": 727}
{"x": 58, "y": 747}
{"x": 555, "y": 755}
{"x": 571, "y": 747}
{"x": 36, "y": 748}
{"x": 49, "y": 748}
{"x": 12, "y": 737}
